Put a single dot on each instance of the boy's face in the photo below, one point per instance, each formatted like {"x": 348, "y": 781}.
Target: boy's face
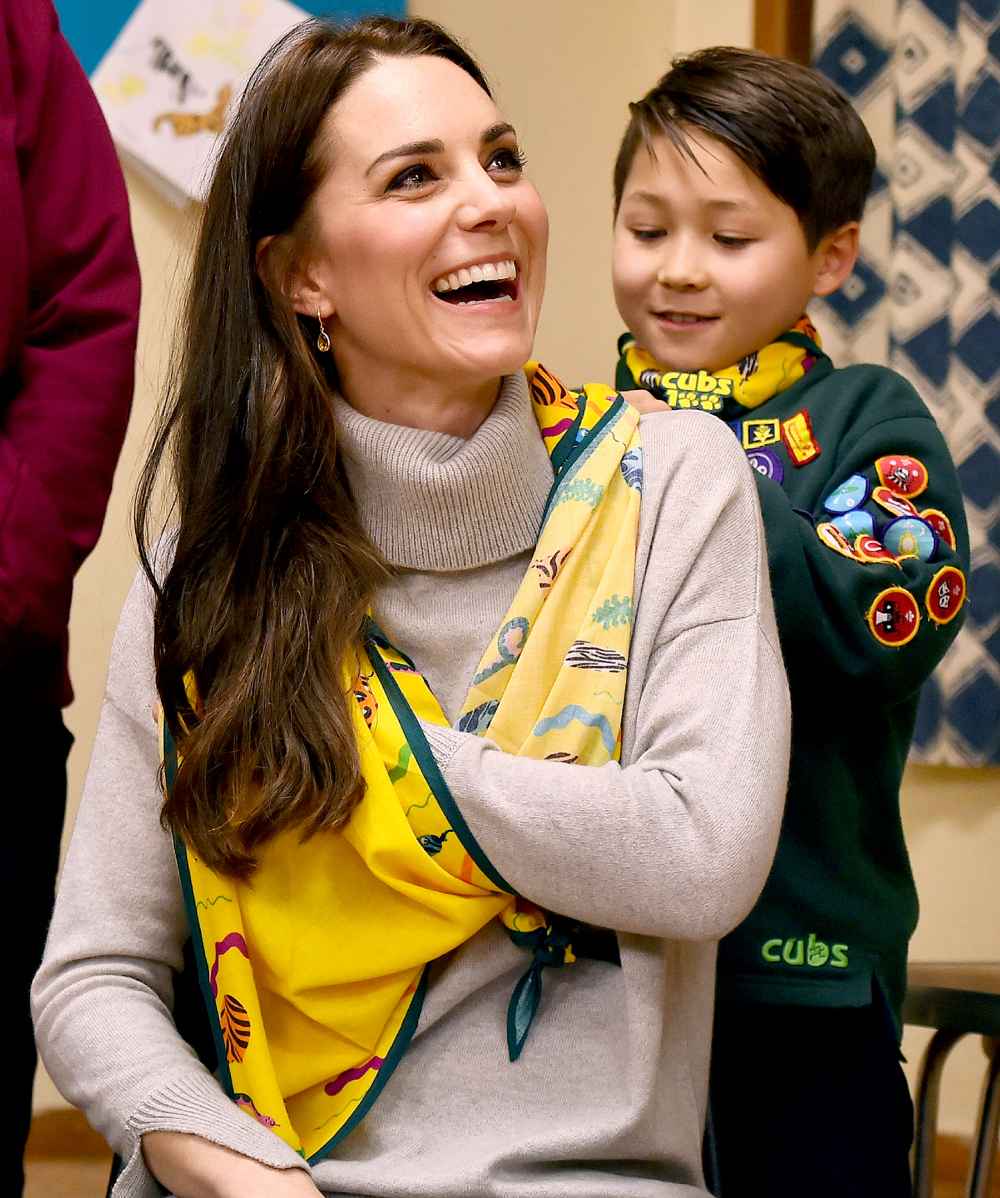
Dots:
{"x": 709, "y": 265}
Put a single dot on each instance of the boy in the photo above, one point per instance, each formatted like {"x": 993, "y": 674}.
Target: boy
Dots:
{"x": 739, "y": 188}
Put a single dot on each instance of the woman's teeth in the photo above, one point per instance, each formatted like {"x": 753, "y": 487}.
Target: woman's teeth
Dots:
{"x": 487, "y": 272}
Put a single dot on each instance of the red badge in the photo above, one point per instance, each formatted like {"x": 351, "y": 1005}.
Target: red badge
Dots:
{"x": 946, "y": 594}
{"x": 800, "y": 441}
{"x": 834, "y": 539}
{"x": 897, "y": 504}
{"x": 941, "y": 525}
{"x": 902, "y": 474}
{"x": 871, "y": 550}
{"x": 894, "y": 617}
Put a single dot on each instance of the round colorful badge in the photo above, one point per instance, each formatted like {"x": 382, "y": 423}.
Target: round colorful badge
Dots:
{"x": 850, "y": 494}
{"x": 893, "y": 503}
{"x": 869, "y": 549}
{"x": 909, "y": 536}
{"x": 902, "y": 474}
{"x": 766, "y": 462}
{"x": 941, "y": 525}
{"x": 946, "y": 594}
{"x": 834, "y": 539}
{"x": 854, "y": 524}
{"x": 894, "y": 617}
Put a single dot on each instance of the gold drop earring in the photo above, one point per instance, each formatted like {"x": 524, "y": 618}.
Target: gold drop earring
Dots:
{"x": 323, "y": 340}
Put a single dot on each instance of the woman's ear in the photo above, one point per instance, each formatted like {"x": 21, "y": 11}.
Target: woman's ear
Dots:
{"x": 279, "y": 271}
{"x": 835, "y": 257}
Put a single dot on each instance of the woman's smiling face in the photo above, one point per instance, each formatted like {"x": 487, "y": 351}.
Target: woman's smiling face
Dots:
{"x": 427, "y": 248}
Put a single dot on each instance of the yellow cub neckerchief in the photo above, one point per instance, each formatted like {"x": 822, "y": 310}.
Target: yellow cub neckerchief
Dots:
{"x": 314, "y": 971}
{"x": 751, "y": 382}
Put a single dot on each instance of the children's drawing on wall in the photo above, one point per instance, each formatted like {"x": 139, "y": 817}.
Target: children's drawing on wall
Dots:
{"x": 167, "y": 82}
{"x": 187, "y": 124}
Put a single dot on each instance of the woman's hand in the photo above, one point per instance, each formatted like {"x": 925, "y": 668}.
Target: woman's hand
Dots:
{"x": 643, "y": 402}
{"x": 192, "y": 1167}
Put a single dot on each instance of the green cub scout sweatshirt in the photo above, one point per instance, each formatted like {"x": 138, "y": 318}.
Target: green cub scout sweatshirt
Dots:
{"x": 868, "y": 553}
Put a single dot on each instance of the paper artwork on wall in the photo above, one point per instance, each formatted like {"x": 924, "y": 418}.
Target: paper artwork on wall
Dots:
{"x": 172, "y": 76}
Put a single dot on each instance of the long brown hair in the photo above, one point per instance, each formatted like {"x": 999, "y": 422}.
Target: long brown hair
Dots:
{"x": 271, "y": 574}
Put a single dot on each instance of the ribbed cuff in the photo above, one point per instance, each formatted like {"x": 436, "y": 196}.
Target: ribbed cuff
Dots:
{"x": 444, "y": 742}
{"x": 197, "y": 1106}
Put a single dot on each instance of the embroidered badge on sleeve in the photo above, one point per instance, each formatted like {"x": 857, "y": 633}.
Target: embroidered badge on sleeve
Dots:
{"x": 894, "y": 617}
{"x": 897, "y": 504}
{"x": 801, "y": 443}
{"x": 909, "y": 536}
{"x": 849, "y": 495}
{"x": 869, "y": 549}
{"x": 946, "y": 594}
{"x": 834, "y": 539}
{"x": 767, "y": 462}
{"x": 758, "y": 433}
{"x": 855, "y": 524}
{"x": 941, "y": 525}
{"x": 902, "y": 474}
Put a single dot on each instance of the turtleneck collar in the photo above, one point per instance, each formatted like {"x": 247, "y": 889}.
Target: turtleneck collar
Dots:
{"x": 431, "y": 501}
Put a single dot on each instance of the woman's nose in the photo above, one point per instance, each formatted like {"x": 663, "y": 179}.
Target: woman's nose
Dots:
{"x": 486, "y": 204}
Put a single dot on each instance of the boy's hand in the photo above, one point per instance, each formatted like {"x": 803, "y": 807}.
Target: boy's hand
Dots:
{"x": 643, "y": 402}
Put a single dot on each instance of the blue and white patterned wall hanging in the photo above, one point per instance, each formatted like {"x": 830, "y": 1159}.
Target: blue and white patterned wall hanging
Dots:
{"x": 925, "y": 297}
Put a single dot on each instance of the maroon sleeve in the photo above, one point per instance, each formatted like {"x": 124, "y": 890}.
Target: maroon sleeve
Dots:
{"x": 69, "y": 301}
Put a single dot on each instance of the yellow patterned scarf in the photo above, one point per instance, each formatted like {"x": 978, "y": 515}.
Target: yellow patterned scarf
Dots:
{"x": 748, "y": 384}
{"x": 314, "y": 971}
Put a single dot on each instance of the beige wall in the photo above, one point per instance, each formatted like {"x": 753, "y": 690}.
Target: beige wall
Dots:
{"x": 563, "y": 71}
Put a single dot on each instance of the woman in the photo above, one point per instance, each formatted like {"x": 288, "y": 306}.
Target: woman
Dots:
{"x": 377, "y": 903}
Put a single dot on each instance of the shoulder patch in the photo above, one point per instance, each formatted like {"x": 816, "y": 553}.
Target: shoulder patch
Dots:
{"x": 902, "y": 474}
{"x": 897, "y": 504}
{"x": 766, "y": 462}
{"x": 834, "y": 539}
{"x": 869, "y": 549}
{"x": 946, "y": 594}
{"x": 894, "y": 617}
{"x": 941, "y": 525}
{"x": 757, "y": 433}
{"x": 849, "y": 495}
{"x": 797, "y": 433}
{"x": 909, "y": 536}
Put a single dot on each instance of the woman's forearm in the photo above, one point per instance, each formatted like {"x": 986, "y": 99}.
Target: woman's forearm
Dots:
{"x": 192, "y": 1167}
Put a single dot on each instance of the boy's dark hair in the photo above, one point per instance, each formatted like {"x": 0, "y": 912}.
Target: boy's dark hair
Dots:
{"x": 797, "y": 132}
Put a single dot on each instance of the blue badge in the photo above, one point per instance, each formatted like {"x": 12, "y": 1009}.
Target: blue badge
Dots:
{"x": 855, "y": 524}
{"x": 767, "y": 462}
{"x": 909, "y": 536}
{"x": 850, "y": 494}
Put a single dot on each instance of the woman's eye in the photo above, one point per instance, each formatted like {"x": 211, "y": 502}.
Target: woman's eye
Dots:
{"x": 731, "y": 243}
{"x": 648, "y": 234}
{"x": 508, "y": 159}
{"x": 412, "y": 178}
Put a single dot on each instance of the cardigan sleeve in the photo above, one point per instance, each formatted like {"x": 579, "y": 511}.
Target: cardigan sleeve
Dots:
{"x": 675, "y": 842}
{"x": 103, "y": 996}
{"x": 69, "y": 305}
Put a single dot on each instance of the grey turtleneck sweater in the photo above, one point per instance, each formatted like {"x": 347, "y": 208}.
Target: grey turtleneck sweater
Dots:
{"x": 670, "y": 847}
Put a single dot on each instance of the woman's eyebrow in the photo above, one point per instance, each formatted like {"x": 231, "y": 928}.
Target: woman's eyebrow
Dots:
{"x": 495, "y": 132}
{"x": 413, "y": 148}
{"x": 408, "y": 150}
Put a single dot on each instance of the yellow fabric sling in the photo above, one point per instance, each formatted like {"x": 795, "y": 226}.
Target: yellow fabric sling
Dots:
{"x": 313, "y": 971}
